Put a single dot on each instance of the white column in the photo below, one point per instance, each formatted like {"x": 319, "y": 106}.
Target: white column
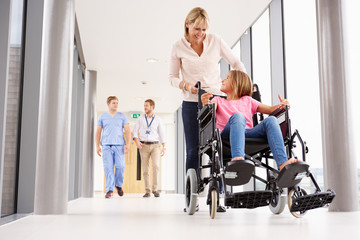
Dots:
{"x": 339, "y": 165}
{"x": 5, "y": 7}
{"x": 87, "y": 189}
{"x": 53, "y": 148}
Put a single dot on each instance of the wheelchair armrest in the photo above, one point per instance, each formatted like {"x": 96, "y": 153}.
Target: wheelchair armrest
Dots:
{"x": 282, "y": 116}
{"x": 278, "y": 112}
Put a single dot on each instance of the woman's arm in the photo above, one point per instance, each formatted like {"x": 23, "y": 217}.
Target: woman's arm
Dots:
{"x": 174, "y": 69}
{"x": 229, "y": 57}
{"x": 174, "y": 77}
{"x": 263, "y": 108}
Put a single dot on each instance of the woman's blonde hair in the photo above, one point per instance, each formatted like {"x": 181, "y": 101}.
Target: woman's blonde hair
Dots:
{"x": 195, "y": 16}
{"x": 241, "y": 83}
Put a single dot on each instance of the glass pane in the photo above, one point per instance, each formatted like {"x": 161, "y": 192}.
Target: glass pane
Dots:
{"x": 261, "y": 70}
{"x": 236, "y": 51}
{"x": 12, "y": 116}
{"x": 303, "y": 80}
{"x": 352, "y": 59}
{"x": 261, "y": 56}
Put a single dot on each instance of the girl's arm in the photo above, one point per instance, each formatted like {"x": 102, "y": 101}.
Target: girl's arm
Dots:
{"x": 205, "y": 99}
{"x": 263, "y": 108}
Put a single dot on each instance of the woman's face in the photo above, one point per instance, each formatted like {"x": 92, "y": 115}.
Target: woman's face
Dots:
{"x": 197, "y": 31}
{"x": 225, "y": 85}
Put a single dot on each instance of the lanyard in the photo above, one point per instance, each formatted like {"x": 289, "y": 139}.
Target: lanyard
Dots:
{"x": 147, "y": 123}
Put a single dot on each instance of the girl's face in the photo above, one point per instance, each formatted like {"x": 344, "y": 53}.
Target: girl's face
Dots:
{"x": 197, "y": 32}
{"x": 225, "y": 86}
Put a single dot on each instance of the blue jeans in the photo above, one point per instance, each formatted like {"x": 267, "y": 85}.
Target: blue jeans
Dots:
{"x": 269, "y": 128}
{"x": 191, "y": 129}
{"x": 113, "y": 156}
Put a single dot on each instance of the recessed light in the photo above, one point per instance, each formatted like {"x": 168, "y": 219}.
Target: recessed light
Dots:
{"x": 152, "y": 60}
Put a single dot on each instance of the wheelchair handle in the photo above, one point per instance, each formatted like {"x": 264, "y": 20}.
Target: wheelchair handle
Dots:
{"x": 198, "y": 86}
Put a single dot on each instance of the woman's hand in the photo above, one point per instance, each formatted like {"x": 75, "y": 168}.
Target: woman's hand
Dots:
{"x": 205, "y": 98}
{"x": 191, "y": 88}
{"x": 283, "y": 102}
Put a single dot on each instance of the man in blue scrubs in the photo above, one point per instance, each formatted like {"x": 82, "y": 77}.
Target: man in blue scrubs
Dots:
{"x": 110, "y": 128}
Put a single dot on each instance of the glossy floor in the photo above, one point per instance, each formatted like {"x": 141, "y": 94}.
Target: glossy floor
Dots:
{"x": 133, "y": 217}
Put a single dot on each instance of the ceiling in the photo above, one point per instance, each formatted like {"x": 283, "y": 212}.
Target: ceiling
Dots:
{"x": 119, "y": 36}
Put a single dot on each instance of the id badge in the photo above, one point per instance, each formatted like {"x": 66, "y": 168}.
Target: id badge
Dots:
{"x": 147, "y": 132}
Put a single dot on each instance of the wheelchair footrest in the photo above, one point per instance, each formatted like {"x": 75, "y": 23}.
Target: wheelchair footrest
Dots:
{"x": 250, "y": 199}
{"x": 238, "y": 172}
{"x": 311, "y": 201}
{"x": 292, "y": 174}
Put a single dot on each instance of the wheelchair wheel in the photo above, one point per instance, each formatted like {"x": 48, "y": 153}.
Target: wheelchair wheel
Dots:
{"x": 213, "y": 204}
{"x": 292, "y": 193}
{"x": 277, "y": 203}
{"x": 191, "y": 191}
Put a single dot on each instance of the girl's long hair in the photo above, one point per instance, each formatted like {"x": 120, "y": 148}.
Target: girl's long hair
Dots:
{"x": 240, "y": 83}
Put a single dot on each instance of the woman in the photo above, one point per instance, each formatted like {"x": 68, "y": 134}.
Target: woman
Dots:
{"x": 197, "y": 55}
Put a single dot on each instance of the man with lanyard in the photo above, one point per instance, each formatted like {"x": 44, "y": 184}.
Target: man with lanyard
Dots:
{"x": 148, "y": 135}
{"x": 110, "y": 129}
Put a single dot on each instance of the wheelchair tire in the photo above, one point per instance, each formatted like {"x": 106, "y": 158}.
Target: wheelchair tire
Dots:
{"x": 213, "y": 204}
{"x": 191, "y": 191}
{"x": 277, "y": 203}
{"x": 290, "y": 195}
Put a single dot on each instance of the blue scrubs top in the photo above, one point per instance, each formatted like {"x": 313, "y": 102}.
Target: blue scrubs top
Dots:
{"x": 112, "y": 128}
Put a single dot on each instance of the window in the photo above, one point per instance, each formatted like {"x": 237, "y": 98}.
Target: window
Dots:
{"x": 9, "y": 194}
{"x": 261, "y": 69}
{"x": 236, "y": 51}
{"x": 352, "y": 59}
{"x": 302, "y": 79}
{"x": 261, "y": 56}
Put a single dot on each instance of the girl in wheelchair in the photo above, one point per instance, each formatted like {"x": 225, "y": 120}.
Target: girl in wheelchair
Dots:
{"x": 230, "y": 119}
{"x": 234, "y": 118}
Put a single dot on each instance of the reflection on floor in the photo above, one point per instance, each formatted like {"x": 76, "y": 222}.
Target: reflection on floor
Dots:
{"x": 11, "y": 218}
{"x": 133, "y": 217}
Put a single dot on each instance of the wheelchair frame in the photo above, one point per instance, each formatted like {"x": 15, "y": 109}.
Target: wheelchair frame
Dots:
{"x": 211, "y": 143}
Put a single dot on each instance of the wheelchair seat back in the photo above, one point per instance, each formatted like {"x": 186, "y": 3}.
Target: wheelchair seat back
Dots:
{"x": 206, "y": 118}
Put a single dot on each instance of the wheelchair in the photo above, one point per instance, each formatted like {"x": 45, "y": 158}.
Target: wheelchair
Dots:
{"x": 236, "y": 173}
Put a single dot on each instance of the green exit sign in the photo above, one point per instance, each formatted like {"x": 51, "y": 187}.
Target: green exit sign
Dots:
{"x": 135, "y": 115}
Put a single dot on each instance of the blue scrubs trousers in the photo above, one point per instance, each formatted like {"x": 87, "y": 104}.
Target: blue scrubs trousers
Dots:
{"x": 113, "y": 157}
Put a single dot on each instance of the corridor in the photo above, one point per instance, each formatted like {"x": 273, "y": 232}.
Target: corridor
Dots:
{"x": 133, "y": 217}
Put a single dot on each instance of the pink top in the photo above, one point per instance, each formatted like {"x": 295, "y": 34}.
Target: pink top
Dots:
{"x": 202, "y": 68}
{"x": 225, "y": 109}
